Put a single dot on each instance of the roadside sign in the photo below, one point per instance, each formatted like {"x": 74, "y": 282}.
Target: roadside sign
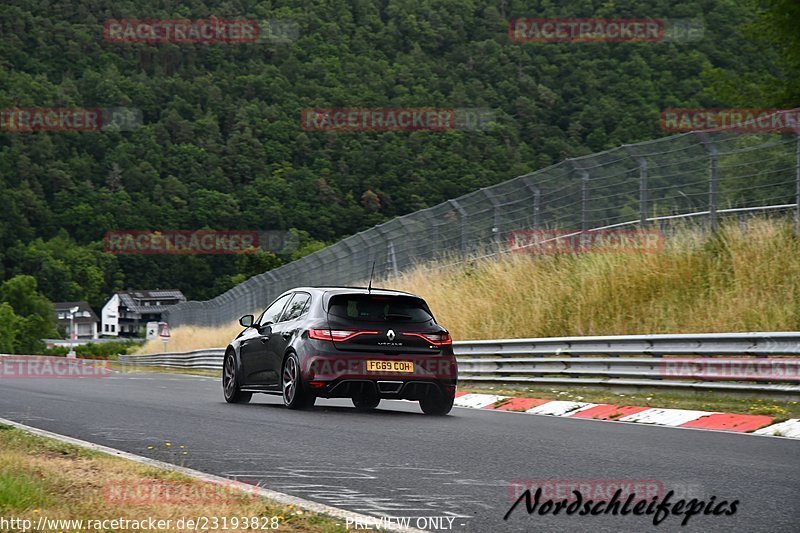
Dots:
{"x": 164, "y": 334}
{"x": 152, "y": 330}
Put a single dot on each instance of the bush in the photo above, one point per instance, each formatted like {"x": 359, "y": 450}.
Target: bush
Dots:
{"x": 101, "y": 350}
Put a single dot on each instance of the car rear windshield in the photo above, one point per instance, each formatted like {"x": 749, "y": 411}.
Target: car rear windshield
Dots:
{"x": 378, "y": 308}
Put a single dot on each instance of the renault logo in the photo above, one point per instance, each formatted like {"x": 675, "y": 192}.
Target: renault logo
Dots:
{"x": 390, "y": 335}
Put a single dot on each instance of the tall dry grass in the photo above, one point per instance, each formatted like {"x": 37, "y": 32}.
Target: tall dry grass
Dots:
{"x": 735, "y": 281}
{"x": 187, "y": 338}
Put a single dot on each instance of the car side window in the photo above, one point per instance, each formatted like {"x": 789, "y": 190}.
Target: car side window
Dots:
{"x": 296, "y": 307}
{"x": 273, "y": 312}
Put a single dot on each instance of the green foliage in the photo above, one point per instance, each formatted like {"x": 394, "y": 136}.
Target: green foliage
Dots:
{"x": 66, "y": 271}
{"x": 99, "y": 350}
{"x": 777, "y": 28}
{"x": 772, "y": 30}
{"x": 9, "y": 322}
{"x": 30, "y": 330}
{"x": 27, "y": 316}
{"x": 21, "y": 293}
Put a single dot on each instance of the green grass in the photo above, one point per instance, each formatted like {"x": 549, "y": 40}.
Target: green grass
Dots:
{"x": 12, "y": 438}
{"x": 47, "y": 478}
{"x": 19, "y": 492}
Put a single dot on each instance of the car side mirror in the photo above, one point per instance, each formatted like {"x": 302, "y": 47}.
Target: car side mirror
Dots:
{"x": 246, "y": 321}
{"x": 265, "y": 330}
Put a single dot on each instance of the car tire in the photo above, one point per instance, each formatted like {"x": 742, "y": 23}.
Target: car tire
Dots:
{"x": 295, "y": 395}
{"x": 230, "y": 382}
{"x": 437, "y": 404}
{"x": 367, "y": 402}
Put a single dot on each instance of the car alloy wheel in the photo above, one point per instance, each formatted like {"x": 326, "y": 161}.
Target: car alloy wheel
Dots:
{"x": 294, "y": 394}
{"x": 230, "y": 385}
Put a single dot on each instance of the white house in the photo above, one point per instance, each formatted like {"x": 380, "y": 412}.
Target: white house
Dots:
{"x": 126, "y": 314}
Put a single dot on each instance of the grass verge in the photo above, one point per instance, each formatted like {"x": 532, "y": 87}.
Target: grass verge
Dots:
{"x": 41, "y": 477}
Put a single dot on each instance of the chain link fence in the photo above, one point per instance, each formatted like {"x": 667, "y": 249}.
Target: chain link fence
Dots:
{"x": 707, "y": 174}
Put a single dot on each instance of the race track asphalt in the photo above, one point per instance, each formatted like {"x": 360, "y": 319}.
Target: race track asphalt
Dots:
{"x": 396, "y": 461}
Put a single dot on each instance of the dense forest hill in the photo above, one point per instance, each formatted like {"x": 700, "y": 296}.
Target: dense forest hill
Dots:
{"x": 221, "y": 144}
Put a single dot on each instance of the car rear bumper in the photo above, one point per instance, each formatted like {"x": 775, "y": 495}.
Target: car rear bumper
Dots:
{"x": 386, "y": 389}
{"x": 337, "y": 376}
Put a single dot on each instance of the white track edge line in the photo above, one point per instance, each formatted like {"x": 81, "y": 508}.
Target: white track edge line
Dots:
{"x": 278, "y": 497}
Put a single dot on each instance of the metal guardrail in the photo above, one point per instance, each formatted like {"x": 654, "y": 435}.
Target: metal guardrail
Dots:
{"x": 753, "y": 362}
{"x": 700, "y": 344}
{"x": 209, "y": 359}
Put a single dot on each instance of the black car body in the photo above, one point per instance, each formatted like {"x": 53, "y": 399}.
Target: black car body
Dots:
{"x": 342, "y": 342}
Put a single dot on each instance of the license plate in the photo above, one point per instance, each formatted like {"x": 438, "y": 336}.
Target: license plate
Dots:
{"x": 390, "y": 366}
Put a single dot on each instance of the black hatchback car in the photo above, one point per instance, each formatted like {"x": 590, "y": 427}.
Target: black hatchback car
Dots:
{"x": 340, "y": 342}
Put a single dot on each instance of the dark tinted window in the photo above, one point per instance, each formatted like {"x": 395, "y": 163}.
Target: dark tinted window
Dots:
{"x": 376, "y": 308}
{"x": 297, "y": 306}
{"x": 273, "y": 312}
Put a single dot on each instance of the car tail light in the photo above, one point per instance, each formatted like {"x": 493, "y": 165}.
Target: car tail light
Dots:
{"x": 338, "y": 335}
{"x": 437, "y": 339}
{"x": 317, "y": 384}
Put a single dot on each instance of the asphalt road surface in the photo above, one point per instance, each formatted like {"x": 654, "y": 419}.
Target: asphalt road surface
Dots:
{"x": 397, "y": 462}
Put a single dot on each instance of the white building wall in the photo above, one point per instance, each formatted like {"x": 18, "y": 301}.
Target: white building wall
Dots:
{"x": 109, "y": 319}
